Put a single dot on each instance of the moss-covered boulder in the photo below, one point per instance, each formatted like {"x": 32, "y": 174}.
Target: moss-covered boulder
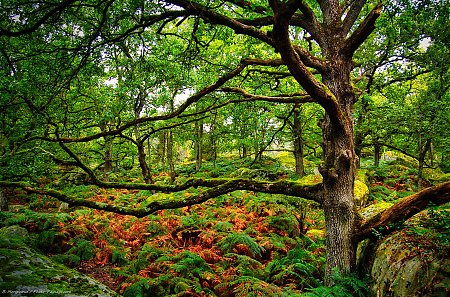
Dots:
{"x": 361, "y": 190}
{"x": 374, "y": 209}
{"x": 402, "y": 267}
{"x": 25, "y": 272}
{"x": 315, "y": 234}
{"x": 408, "y": 262}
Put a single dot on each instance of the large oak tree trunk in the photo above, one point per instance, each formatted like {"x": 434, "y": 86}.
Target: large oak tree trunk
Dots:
{"x": 338, "y": 204}
{"x": 338, "y": 172}
{"x": 336, "y": 96}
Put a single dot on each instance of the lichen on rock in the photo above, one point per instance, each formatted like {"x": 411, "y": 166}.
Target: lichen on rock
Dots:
{"x": 399, "y": 269}
{"x": 404, "y": 264}
{"x": 26, "y": 272}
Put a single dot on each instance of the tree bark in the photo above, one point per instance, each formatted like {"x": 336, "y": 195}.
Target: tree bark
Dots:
{"x": 298, "y": 142}
{"x": 145, "y": 169}
{"x": 198, "y": 145}
{"x": 338, "y": 173}
{"x": 423, "y": 149}
{"x": 3, "y": 201}
{"x": 376, "y": 154}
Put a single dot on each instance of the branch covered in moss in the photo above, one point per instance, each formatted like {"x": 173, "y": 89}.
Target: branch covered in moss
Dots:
{"x": 216, "y": 187}
{"x": 405, "y": 209}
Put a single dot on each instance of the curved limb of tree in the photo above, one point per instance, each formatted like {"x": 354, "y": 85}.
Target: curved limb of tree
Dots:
{"x": 192, "y": 99}
{"x": 53, "y": 10}
{"x": 215, "y": 188}
{"x": 282, "y": 98}
{"x": 403, "y": 210}
{"x": 398, "y": 213}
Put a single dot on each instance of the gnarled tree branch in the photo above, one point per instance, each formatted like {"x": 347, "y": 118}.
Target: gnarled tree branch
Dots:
{"x": 404, "y": 209}
{"x": 213, "y": 17}
{"x": 362, "y": 32}
{"x": 221, "y": 187}
{"x": 352, "y": 15}
{"x": 51, "y": 13}
{"x": 282, "y": 98}
{"x": 192, "y": 99}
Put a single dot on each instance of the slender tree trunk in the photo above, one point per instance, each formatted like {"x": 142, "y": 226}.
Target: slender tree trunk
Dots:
{"x": 431, "y": 154}
{"x": 107, "y": 157}
{"x": 108, "y": 166}
{"x": 170, "y": 147}
{"x": 376, "y": 154}
{"x": 198, "y": 145}
{"x": 423, "y": 149}
{"x": 214, "y": 141}
{"x": 298, "y": 142}
{"x": 170, "y": 155}
{"x": 162, "y": 149}
{"x": 145, "y": 169}
{"x": 3, "y": 201}
{"x": 243, "y": 148}
{"x": 244, "y": 151}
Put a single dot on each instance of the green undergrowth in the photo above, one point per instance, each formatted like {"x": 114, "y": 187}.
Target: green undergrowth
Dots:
{"x": 397, "y": 179}
{"x": 239, "y": 244}
{"x": 394, "y": 180}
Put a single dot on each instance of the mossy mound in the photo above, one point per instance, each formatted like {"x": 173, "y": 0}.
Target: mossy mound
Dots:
{"x": 361, "y": 192}
{"x": 25, "y": 272}
{"x": 404, "y": 268}
{"x": 412, "y": 261}
{"x": 375, "y": 209}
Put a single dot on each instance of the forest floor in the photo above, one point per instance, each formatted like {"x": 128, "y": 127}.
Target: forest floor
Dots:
{"x": 240, "y": 244}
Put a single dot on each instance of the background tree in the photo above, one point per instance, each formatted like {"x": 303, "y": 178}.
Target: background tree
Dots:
{"x": 408, "y": 70}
